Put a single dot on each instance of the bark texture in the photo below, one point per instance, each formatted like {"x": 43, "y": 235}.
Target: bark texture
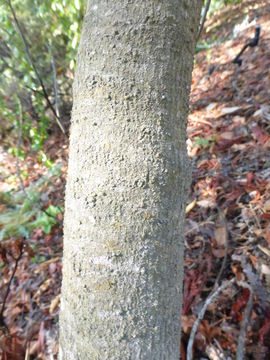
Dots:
{"x": 127, "y": 181}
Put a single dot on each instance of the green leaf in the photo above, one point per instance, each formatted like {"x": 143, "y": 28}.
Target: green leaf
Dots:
{"x": 47, "y": 228}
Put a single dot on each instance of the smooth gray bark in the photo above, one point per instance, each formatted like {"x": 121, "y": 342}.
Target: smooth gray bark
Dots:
{"x": 127, "y": 182}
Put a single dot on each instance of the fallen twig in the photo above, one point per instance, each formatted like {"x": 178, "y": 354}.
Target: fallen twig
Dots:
{"x": 194, "y": 228}
{"x": 208, "y": 301}
{"x": 244, "y": 324}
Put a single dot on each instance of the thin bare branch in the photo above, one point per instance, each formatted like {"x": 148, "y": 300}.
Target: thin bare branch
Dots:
{"x": 18, "y": 170}
{"x": 240, "y": 353}
{"x": 205, "y": 11}
{"x": 201, "y": 314}
{"x": 2, "y": 321}
{"x": 32, "y": 63}
{"x": 54, "y": 81}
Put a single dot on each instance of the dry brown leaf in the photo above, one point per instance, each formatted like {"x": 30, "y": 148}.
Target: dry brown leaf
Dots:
{"x": 211, "y": 106}
{"x": 205, "y": 203}
{"x": 258, "y": 232}
{"x": 55, "y": 302}
{"x": 45, "y": 264}
{"x": 264, "y": 249}
{"x": 214, "y": 353}
{"x": 227, "y": 135}
{"x": 239, "y": 119}
{"x": 190, "y": 206}
{"x": 42, "y": 289}
{"x": 187, "y": 323}
{"x": 230, "y": 110}
{"x": 221, "y": 235}
{"x": 45, "y": 285}
{"x": 266, "y": 205}
{"x": 219, "y": 253}
{"x": 253, "y": 259}
{"x": 267, "y": 234}
{"x": 265, "y": 269}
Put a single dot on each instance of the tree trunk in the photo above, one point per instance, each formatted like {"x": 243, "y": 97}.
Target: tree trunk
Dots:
{"x": 127, "y": 182}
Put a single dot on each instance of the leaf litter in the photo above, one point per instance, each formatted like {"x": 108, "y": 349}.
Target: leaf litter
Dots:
{"x": 228, "y": 141}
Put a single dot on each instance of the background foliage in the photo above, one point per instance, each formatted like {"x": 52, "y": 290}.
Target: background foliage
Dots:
{"x": 45, "y": 23}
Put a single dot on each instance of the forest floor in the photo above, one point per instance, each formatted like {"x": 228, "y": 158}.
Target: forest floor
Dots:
{"x": 227, "y": 233}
